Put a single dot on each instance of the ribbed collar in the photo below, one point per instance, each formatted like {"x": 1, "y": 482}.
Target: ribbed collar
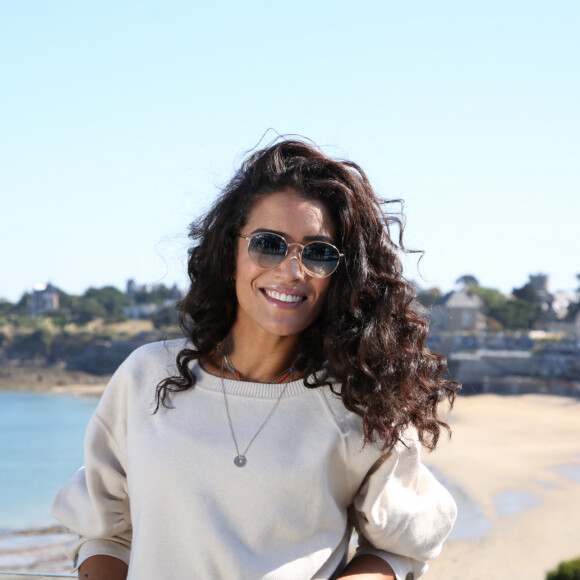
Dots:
{"x": 233, "y": 387}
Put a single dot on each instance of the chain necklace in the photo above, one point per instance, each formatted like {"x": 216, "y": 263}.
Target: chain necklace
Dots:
{"x": 286, "y": 372}
{"x": 240, "y": 459}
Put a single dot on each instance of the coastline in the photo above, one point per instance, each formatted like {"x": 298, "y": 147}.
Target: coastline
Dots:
{"x": 513, "y": 465}
{"x": 50, "y": 379}
{"x": 517, "y": 460}
{"x": 40, "y": 551}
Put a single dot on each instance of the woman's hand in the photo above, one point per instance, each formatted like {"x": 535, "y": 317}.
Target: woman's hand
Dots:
{"x": 367, "y": 567}
{"x": 103, "y": 568}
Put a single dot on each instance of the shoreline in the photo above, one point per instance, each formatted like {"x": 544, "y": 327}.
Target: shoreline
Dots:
{"x": 513, "y": 465}
{"x": 50, "y": 379}
{"x": 516, "y": 460}
{"x": 41, "y": 551}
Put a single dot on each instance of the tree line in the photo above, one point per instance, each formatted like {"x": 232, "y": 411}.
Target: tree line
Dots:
{"x": 106, "y": 303}
{"x": 523, "y": 309}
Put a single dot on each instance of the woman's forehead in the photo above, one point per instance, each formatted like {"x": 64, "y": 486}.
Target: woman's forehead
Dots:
{"x": 288, "y": 212}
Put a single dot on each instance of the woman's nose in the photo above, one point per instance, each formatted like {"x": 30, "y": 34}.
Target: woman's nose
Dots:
{"x": 293, "y": 262}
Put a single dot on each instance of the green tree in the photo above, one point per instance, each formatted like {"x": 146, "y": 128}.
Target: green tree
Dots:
{"x": 22, "y": 305}
{"x": 427, "y": 297}
{"x": 110, "y": 298}
{"x": 6, "y": 307}
{"x": 569, "y": 570}
{"x": 66, "y": 302}
{"x": 519, "y": 312}
{"x": 167, "y": 316}
{"x": 494, "y": 304}
{"x": 88, "y": 309}
{"x": 467, "y": 280}
{"x": 156, "y": 294}
{"x": 528, "y": 306}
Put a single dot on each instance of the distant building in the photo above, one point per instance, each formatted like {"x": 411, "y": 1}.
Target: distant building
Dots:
{"x": 561, "y": 301}
{"x": 133, "y": 288}
{"x": 44, "y": 300}
{"x": 539, "y": 283}
{"x": 458, "y": 310}
{"x": 140, "y": 310}
{"x": 149, "y": 299}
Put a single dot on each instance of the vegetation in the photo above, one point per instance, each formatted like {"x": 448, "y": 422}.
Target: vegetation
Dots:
{"x": 523, "y": 309}
{"x": 467, "y": 280}
{"x": 428, "y": 297}
{"x": 569, "y": 570}
{"x": 107, "y": 304}
{"x": 89, "y": 332}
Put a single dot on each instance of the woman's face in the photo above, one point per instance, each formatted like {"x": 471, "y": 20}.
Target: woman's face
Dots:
{"x": 285, "y": 300}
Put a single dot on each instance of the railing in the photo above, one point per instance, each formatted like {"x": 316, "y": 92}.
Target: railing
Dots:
{"x": 22, "y": 576}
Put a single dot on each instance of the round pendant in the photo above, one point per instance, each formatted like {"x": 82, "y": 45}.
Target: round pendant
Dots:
{"x": 240, "y": 461}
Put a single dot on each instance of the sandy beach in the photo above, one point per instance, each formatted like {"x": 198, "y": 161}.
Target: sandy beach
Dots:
{"x": 513, "y": 464}
{"x": 517, "y": 458}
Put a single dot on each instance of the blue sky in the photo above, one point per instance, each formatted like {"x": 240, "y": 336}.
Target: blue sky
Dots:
{"x": 120, "y": 120}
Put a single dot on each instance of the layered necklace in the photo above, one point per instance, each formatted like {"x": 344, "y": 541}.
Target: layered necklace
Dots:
{"x": 240, "y": 459}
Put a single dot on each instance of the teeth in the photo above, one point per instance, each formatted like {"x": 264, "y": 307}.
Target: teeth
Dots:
{"x": 283, "y": 297}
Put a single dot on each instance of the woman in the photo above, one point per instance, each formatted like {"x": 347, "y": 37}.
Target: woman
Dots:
{"x": 295, "y": 410}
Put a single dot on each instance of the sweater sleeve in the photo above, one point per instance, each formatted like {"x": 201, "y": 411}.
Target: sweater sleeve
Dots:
{"x": 94, "y": 502}
{"x": 402, "y": 513}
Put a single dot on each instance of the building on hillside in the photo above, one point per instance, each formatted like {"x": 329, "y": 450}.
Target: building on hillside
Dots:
{"x": 459, "y": 310}
{"x": 133, "y": 288}
{"x": 138, "y": 311}
{"x": 561, "y": 301}
{"x": 44, "y": 300}
{"x": 147, "y": 300}
{"x": 539, "y": 283}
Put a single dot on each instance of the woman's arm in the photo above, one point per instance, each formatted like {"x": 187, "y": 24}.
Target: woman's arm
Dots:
{"x": 103, "y": 568}
{"x": 367, "y": 567}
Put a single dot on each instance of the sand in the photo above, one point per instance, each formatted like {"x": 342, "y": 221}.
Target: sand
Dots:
{"x": 508, "y": 452}
{"x": 514, "y": 466}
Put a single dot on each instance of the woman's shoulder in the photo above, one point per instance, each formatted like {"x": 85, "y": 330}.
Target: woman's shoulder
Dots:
{"x": 349, "y": 423}
{"x": 155, "y": 353}
{"x": 351, "y": 427}
{"x": 150, "y": 363}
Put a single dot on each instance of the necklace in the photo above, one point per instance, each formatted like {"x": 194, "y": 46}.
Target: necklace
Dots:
{"x": 240, "y": 459}
{"x": 286, "y": 372}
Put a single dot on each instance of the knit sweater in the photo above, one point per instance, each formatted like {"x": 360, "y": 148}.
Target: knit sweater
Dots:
{"x": 161, "y": 490}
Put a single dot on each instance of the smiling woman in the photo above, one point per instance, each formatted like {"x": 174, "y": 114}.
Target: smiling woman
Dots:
{"x": 295, "y": 409}
{"x": 283, "y": 301}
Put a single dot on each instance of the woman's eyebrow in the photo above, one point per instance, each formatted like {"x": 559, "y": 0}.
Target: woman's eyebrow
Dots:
{"x": 316, "y": 238}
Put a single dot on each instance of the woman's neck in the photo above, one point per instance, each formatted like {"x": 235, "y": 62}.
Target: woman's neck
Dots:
{"x": 261, "y": 357}
{"x": 257, "y": 357}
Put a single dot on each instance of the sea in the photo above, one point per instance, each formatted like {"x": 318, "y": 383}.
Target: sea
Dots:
{"x": 41, "y": 446}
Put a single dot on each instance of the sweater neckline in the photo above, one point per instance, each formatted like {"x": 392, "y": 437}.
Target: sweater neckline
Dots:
{"x": 233, "y": 387}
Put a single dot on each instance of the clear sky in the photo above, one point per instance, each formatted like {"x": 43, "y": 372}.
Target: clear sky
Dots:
{"x": 120, "y": 120}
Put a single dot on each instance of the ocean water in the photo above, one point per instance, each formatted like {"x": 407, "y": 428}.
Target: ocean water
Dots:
{"x": 41, "y": 446}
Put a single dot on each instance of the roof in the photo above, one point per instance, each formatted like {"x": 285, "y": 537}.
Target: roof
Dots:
{"x": 464, "y": 298}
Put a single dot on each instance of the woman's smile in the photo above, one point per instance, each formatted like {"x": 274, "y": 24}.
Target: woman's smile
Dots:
{"x": 283, "y": 297}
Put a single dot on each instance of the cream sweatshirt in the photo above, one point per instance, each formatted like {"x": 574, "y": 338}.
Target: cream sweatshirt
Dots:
{"x": 161, "y": 491}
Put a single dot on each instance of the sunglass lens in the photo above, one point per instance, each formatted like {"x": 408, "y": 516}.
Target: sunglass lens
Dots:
{"x": 320, "y": 259}
{"x": 267, "y": 250}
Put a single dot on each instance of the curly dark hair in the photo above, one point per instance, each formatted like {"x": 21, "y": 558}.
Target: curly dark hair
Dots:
{"x": 370, "y": 336}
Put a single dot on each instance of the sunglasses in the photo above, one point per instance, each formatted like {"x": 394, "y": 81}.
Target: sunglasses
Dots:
{"x": 268, "y": 250}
